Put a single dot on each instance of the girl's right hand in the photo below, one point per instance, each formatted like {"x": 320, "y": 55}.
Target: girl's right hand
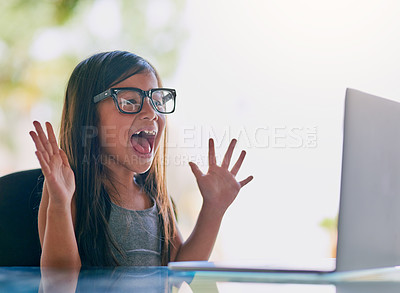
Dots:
{"x": 60, "y": 179}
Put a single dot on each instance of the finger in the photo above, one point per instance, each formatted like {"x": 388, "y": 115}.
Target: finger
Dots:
{"x": 245, "y": 181}
{"x": 238, "y": 164}
{"x": 39, "y": 146}
{"x": 52, "y": 137}
{"x": 42, "y": 136}
{"x": 227, "y": 158}
{"x": 211, "y": 152}
{"x": 43, "y": 164}
{"x": 64, "y": 157}
{"x": 195, "y": 169}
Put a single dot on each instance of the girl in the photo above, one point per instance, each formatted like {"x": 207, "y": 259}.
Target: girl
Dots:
{"x": 104, "y": 200}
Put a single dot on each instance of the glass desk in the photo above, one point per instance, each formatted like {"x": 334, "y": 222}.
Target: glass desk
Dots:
{"x": 161, "y": 279}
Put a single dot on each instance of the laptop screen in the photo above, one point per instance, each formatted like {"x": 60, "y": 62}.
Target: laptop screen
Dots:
{"x": 369, "y": 217}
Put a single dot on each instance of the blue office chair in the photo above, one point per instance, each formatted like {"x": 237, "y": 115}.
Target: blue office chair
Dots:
{"x": 20, "y": 195}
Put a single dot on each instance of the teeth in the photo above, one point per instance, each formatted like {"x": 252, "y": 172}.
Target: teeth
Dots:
{"x": 147, "y": 132}
{"x": 150, "y": 132}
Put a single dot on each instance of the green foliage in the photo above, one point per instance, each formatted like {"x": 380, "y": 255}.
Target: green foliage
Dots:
{"x": 329, "y": 224}
{"x": 64, "y": 10}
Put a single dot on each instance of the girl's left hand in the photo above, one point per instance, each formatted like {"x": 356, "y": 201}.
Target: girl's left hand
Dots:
{"x": 219, "y": 186}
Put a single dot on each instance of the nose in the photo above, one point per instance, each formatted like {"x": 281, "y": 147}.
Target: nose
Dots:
{"x": 148, "y": 112}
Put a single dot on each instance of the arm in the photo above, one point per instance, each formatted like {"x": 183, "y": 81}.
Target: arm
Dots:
{"x": 59, "y": 248}
{"x": 56, "y": 224}
{"x": 43, "y": 213}
{"x": 201, "y": 241}
{"x": 219, "y": 189}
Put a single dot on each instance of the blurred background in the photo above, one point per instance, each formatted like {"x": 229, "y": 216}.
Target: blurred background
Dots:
{"x": 271, "y": 73}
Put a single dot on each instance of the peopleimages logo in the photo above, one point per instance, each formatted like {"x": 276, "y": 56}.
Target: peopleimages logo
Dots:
{"x": 190, "y": 143}
{"x": 278, "y": 137}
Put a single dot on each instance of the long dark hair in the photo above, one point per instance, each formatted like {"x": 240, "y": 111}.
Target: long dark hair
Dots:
{"x": 80, "y": 140}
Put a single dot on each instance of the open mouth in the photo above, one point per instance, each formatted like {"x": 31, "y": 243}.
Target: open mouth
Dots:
{"x": 143, "y": 141}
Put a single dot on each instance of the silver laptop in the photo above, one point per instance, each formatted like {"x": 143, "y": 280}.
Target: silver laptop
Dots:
{"x": 369, "y": 212}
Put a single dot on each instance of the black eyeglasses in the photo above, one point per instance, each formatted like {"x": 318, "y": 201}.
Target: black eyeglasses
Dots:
{"x": 129, "y": 100}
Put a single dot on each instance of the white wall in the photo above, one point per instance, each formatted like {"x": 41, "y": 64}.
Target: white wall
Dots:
{"x": 276, "y": 72}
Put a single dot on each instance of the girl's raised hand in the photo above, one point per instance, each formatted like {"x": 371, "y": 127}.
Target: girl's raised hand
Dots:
{"x": 219, "y": 186}
{"x": 60, "y": 179}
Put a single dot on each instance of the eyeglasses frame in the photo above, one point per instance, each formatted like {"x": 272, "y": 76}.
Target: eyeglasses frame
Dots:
{"x": 111, "y": 92}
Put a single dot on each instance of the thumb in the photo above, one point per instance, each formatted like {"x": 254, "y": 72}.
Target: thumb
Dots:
{"x": 195, "y": 169}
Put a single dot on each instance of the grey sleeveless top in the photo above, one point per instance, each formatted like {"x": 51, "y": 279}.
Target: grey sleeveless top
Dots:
{"x": 137, "y": 234}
